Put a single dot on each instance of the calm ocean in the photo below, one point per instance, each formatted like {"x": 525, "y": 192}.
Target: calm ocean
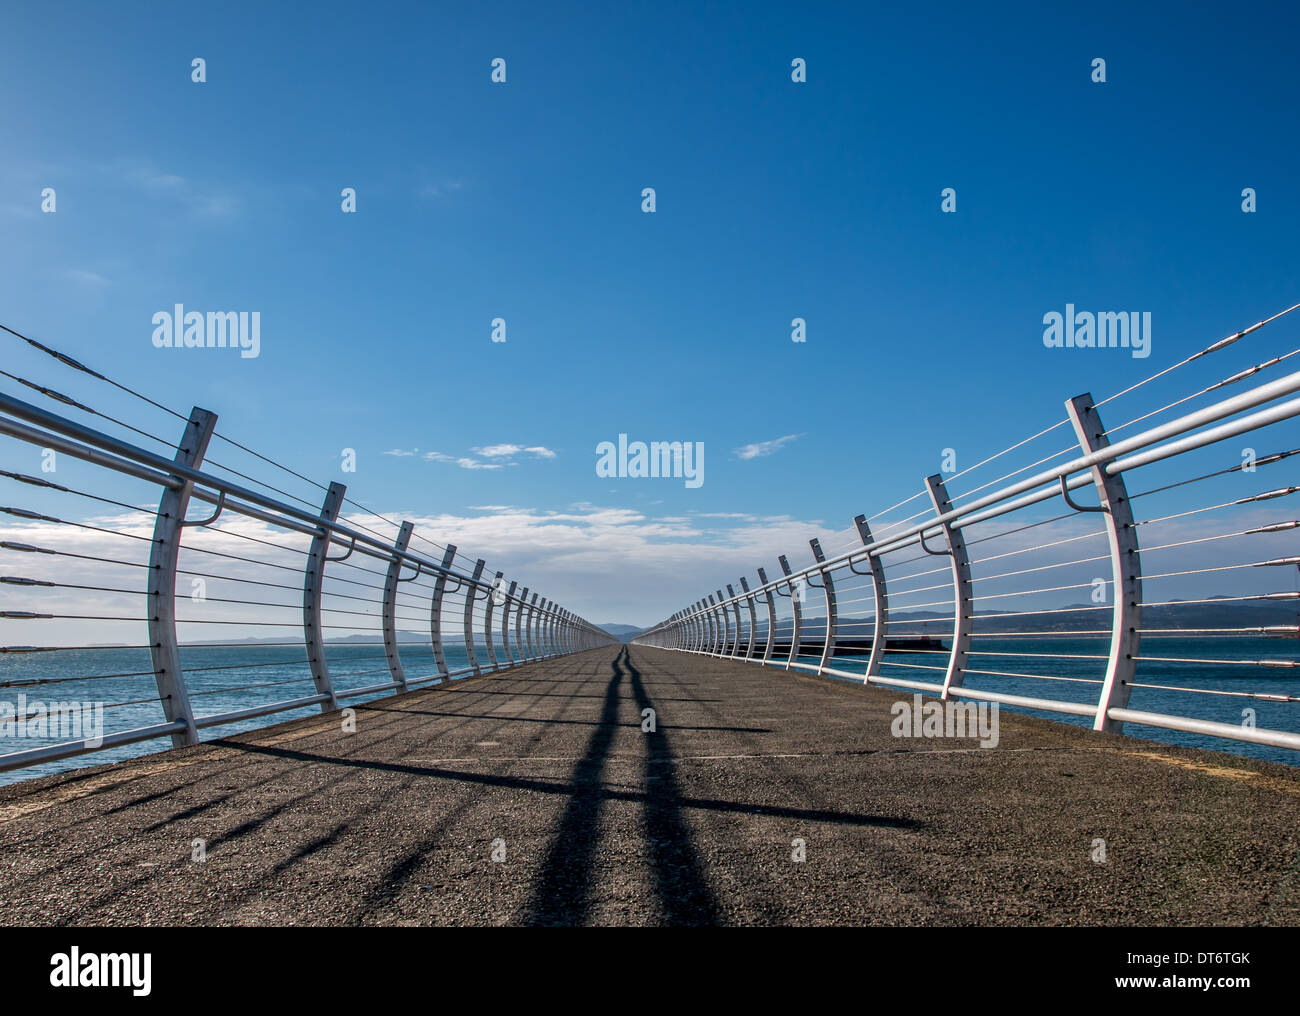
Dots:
{"x": 250, "y": 676}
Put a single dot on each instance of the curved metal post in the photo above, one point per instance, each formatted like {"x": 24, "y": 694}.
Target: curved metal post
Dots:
{"x": 471, "y": 597}
{"x": 963, "y": 605}
{"x": 161, "y": 602}
{"x": 435, "y": 611}
{"x": 519, "y": 613}
{"x": 313, "y": 582}
{"x": 541, "y": 628}
{"x": 734, "y": 646}
{"x": 753, "y": 619}
{"x": 725, "y": 626}
{"x": 715, "y": 627}
{"x": 832, "y": 613}
{"x": 528, "y": 628}
{"x": 491, "y": 598}
{"x": 391, "y": 580}
{"x": 505, "y": 622}
{"x": 521, "y": 604}
{"x": 796, "y": 605}
{"x": 771, "y": 618}
{"x": 702, "y": 628}
{"x": 880, "y": 625}
{"x": 1125, "y": 564}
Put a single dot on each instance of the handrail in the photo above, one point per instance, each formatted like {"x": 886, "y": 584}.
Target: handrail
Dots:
{"x": 922, "y": 542}
{"x": 335, "y": 591}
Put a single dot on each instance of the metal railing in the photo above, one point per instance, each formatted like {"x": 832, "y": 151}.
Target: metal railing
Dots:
{"x": 991, "y": 566}
{"x": 312, "y": 575}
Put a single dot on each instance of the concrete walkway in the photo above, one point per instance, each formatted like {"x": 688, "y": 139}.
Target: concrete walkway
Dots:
{"x": 601, "y": 823}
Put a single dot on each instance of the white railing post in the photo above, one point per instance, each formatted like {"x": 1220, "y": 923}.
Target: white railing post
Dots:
{"x": 163, "y": 556}
{"x": 796, "y": 606}
{"x": 1125, "y": 564}
{"x": 312, "y": 587}
{"x": 528, "y": 628}
{"x": 435, "y": 611}
{"x": 471, "y": 597}
{"x": 832, "y": 614}
{"x": 735, "y": 607}
{"x": 391, "y": 580}
{"x": 880, "y": 622}
{"x": 505, "y": 624}
{"x": 487, "y": 621}
{"x": 771, "y": 618}
{"x": 753, "y": 618}
{"x": 963, "y": 604}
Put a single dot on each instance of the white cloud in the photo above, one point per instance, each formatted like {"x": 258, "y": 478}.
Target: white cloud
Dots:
{"x": 402, "y": 452}
{"x": 197, "y": 199}
{"x": 504, "y": 452}
{"x": 87, "y": 278}
{"x": 762, "y": 448}
{"x": 499, "y": 450}
{"x": 608, "y": 564}
{"x": 437, "y": 190}
{"x": 612, "y": 564}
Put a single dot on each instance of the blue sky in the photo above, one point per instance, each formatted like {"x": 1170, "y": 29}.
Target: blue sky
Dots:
{"x": 522, "y": 201}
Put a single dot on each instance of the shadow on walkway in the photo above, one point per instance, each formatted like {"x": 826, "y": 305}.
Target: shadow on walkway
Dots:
{"x": 561, "y": 895}
{"x": 683, "y": 891}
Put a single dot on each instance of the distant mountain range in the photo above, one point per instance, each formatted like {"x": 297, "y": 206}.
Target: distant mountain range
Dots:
{"x": 1079, "y": 617}
{"x": 622, "y": 631}
{"x": 1074, "y": 617}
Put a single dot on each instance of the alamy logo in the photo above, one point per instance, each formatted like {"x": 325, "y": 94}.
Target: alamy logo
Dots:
{"x": 67, "y": 721}
{"x": 75, "y": 969}
{"x": 230, "y": 329}
{"x": 946, "y": 719}
{"x": 1103, "y": 330}
{"x": 680, "y": 459}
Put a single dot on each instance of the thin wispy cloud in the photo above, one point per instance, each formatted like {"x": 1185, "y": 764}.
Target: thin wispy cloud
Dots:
{"x": 497, "y": 456}
{"x": 464, "y": 461}
{"x": 762, "y": 448}
{"x": 195, "y": 197}
{"x": 438, "y": 190}
{"x": 85, "y": 277}
{"x": 498, "y": 451}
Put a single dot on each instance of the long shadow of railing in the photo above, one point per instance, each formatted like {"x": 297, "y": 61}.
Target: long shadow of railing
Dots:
{"x": 679, "y": 879}
{"x": 562, "y": 892}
